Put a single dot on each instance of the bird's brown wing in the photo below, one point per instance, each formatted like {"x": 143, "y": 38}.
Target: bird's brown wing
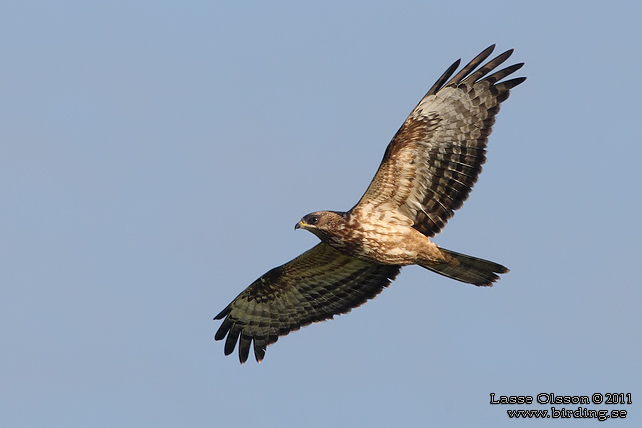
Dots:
{"x": 432, "y": 163}
{"x": 315, "y": 286}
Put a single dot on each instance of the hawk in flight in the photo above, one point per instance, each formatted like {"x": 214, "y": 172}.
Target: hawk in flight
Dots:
{"x": 427, "y": 172}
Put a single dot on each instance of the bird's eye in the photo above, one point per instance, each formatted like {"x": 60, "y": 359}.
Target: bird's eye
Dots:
{"x": 313, "y": 220}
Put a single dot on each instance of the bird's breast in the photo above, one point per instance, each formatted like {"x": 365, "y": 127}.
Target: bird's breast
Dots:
{"x": 378, "y": 241}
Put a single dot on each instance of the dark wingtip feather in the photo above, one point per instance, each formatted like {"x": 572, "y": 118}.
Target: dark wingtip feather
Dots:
{"x": 510, "y": 84}
{"x": 506, "y": 54}
{"x": 502, "y": 269}
{"x": 223, "y": 329}
{"x": 487, "y": 68}
{"x": 471, "y": 66}
{"x": 501, "y": 58}
{"x": 516, "y": 66}
{"x": 444, "y": 77}
{"x": 486, "y": 52}
{"x": 244, "y": 348}
{"x": 232, "y": 338}
{"x": 222, "y": 313}
{"x": 499, "y": 75}
{"x": 260, "y": 346}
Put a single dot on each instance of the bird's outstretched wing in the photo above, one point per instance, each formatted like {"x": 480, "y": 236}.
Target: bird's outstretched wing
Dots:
{"x": 315, "y": 286}
{"x": 432, "y": 163}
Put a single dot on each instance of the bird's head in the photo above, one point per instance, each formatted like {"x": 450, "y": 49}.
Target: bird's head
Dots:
{"x": 321, "y": 223}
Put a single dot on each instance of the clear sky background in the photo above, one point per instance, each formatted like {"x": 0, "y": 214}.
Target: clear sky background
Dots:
{"x": 155, "y": 156}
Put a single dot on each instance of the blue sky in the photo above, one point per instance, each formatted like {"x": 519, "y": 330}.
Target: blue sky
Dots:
{"x": 154, "y": 157}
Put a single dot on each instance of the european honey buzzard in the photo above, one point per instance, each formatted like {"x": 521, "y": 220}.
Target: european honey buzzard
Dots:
{"x": 427, "y": 172}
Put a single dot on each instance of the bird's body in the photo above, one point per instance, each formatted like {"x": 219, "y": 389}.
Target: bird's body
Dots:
{"x": 373, "y": 238}
{"x": 427, "y": 172}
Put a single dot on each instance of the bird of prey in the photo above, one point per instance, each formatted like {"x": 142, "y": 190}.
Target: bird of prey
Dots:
{"x": 427, "y": 171}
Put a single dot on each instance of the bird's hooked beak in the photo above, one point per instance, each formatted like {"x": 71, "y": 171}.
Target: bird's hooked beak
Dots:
{"x": 300, "y": 225}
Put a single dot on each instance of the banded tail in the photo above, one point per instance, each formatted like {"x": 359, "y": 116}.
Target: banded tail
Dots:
{"x": 471, "y": 270}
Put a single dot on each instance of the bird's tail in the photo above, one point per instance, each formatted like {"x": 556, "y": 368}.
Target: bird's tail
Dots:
{"x": 467, "y": 269}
